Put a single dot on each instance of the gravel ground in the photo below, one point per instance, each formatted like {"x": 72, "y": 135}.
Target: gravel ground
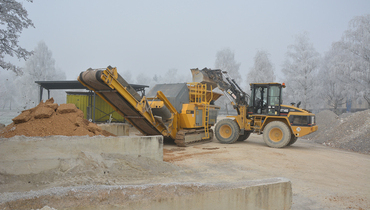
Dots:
{"x": 322, "y": 177}
{"x": 350, "y": 131}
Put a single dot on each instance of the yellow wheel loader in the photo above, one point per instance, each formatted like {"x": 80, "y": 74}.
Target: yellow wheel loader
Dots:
{"x": 281, "y": 125}
{"x": 183, "y": 112}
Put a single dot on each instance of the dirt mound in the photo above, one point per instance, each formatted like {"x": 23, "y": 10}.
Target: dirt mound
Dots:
{"x": 325, "y": 120}
{"x": 350, "y": 131}
{"x": 47, "y": 119}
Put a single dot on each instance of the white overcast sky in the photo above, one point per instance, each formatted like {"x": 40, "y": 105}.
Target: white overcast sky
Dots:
{"x": 150, "y": 37}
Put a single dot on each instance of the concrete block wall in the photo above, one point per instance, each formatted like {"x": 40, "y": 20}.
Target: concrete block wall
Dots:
{"x": 118, "y": 129}
{"x": 26, "y": 155}
{"x": 274, "y": 194}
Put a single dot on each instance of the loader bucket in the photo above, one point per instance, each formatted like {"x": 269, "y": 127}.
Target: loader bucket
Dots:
{"x": 201, "y": 77}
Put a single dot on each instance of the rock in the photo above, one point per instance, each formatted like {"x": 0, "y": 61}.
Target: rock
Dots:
{"x": 66, "y": 108}
{"x": 44, "y": 112}
{"x": 49, "y": 101}
{"x": 23, "y": 117}
{"x": 52, "y": 106}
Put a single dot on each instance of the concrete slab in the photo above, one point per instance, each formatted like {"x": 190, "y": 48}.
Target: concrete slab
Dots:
{"x": 26, "y": 155}
{"x": 275, "y": 193}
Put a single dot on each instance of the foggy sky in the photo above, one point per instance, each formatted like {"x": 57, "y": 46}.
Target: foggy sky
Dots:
{"x": 153, "y": 36}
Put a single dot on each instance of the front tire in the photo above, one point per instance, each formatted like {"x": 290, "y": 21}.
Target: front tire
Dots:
{"x": 276, "y": 134}
{"x": 227, "y": 131}
{"x": 244, "y": 137}
{"x": 293, "y": 139}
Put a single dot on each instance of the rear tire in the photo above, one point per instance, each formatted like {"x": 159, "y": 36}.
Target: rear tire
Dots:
{"x": 293, "y": 139}
{"x": 227, "y": 131}
{"x": 276, "y": 134}
{"x": 244, "y": 137}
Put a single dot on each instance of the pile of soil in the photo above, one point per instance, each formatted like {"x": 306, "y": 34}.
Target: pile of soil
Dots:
{"x": 350, "y": 131}
{"x": 47, "y": 119}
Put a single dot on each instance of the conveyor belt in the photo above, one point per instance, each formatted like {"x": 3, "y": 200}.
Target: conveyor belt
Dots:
{"x": 91, "y": 78}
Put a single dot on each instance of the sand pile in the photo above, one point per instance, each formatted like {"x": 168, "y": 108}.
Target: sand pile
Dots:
{"x": 47, "y": 119}
{"x": 350, "y": 131}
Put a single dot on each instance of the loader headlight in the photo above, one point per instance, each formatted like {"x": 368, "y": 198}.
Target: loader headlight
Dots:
{"x": 313, "y": 120}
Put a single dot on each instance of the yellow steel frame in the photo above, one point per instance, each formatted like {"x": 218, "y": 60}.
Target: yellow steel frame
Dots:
{"x": 198, "y": 95}
{"x": 173, "y": 127}
{"x": 109, "y": 76}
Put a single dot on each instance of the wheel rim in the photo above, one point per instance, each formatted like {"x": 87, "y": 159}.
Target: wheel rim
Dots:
{"x": 276, "y": 134}
{"x": 225, "y": 131}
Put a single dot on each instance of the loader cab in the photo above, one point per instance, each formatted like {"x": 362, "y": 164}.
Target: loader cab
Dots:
{"x": 265, "y": 99}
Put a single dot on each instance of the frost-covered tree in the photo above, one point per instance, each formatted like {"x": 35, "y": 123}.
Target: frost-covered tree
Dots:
{"x": 262, "y": 70}
{"x": 39, "y": 67}
{"x": 300, "y": 69}
{"x": 13, "y": 19}
{"x": 225, "y": 60}
{"x": 144, "y": 79}
{"x": 157, "y": 78}
{"x": 356, "y": 41}
{"x": 334, "y": 89}
{"x": 173, "y": 76}
{"x": 127, "y": 76}
{"x": 170, "y": 76}
{"x": 7, "y": 90}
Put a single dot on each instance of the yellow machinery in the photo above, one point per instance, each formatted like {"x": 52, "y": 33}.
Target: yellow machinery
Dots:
{"x": 281, "y": 125}
{"x": 182, "y": 112}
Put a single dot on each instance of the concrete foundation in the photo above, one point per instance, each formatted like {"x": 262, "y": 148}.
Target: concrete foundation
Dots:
{"x": 273, "y": 193}
{"x": 118, "y": 129}
{"x": 26, "y": 155}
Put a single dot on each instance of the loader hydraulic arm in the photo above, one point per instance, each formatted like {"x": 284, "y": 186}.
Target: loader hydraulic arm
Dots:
{"x": 224, "y": 82}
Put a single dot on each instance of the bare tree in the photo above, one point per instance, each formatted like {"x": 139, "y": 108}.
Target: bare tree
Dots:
{"x": 356, "y": 41}
{"x": 13, "y": 19}
{"x": 262, "y": 70}
{"x": 300, "y": 69}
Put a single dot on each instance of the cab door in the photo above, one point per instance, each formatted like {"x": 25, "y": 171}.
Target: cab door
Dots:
{"x": 274, "y": 100}
{"x": 258, "y": 102}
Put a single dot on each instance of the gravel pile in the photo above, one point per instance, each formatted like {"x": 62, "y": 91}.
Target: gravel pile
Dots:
{"x": 348, "y": 131}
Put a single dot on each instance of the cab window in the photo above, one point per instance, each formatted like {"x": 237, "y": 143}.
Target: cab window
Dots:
{"x": 274, "y": 96}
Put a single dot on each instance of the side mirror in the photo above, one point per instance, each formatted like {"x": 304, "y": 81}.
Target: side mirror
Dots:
{"x": 292, "y": 103}
{"x": 299, "y": 103}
